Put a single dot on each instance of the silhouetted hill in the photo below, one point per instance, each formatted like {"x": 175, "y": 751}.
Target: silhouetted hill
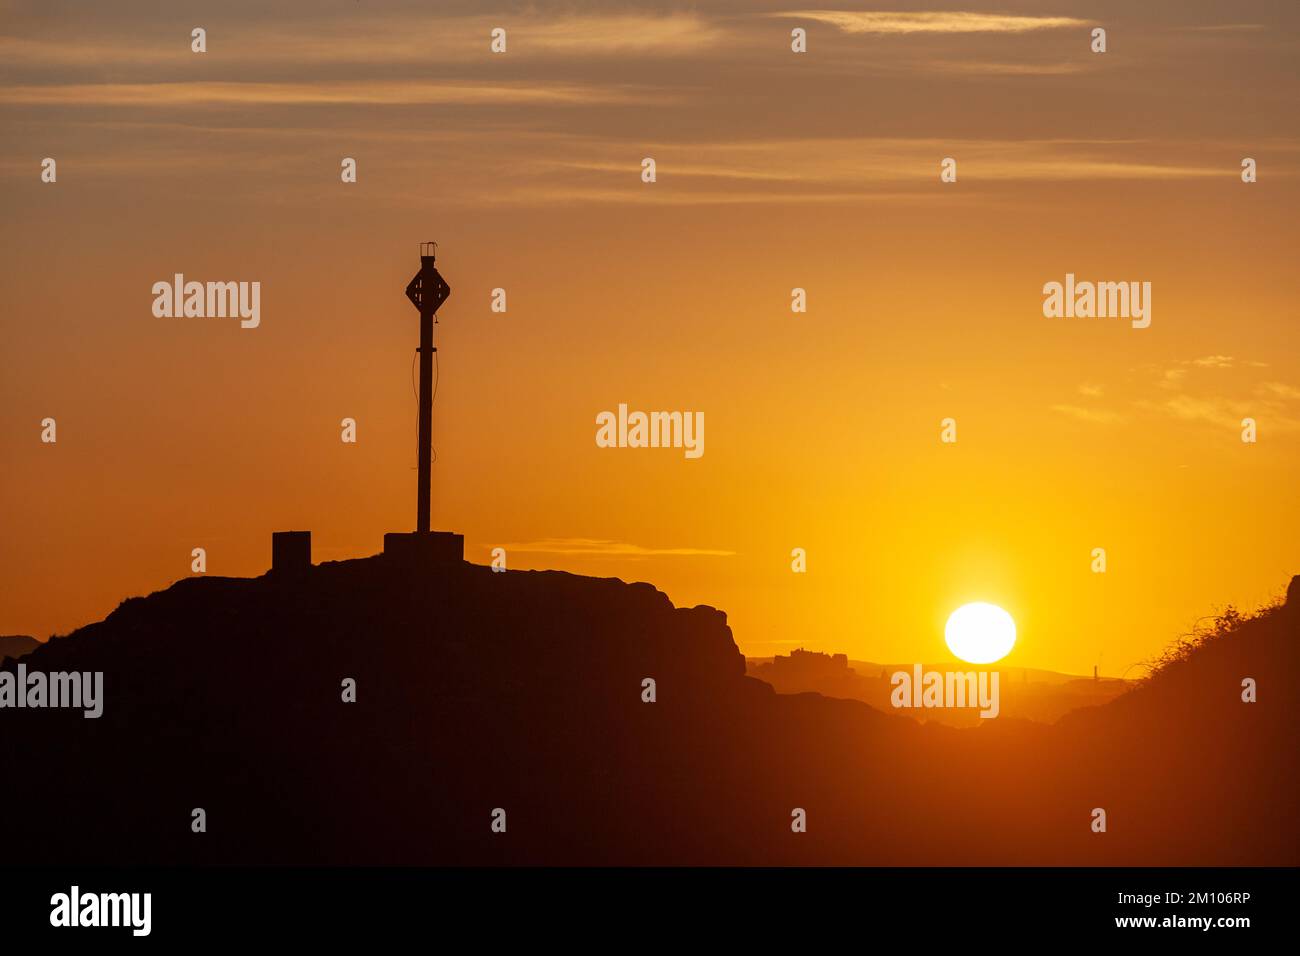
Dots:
{"x": 16, "y": 645}
{"x": 522, "y": 690}
{"x": 1026, "y": 693}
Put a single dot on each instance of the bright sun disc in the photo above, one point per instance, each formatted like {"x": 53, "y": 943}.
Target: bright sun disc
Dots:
{"x": 980, "y": 633}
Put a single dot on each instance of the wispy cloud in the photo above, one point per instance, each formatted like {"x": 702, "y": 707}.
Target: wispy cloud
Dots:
{"x": 1224, "y": 28}
{"x": 506, "y": 154}
{"x": 1217, "y": 411}
{"x": 1279, "y": 390}
{"x": 893, "y": 22}
{"x": 1211, "y": 390}
{"x": 605, "y": 547}
{"x": 274, "y": 94}
{"x": 1003, "y": 68}
{"x": 620, "y": 35}
{"x": 380, "y": 38}
{"x": 543, "y": 196}
{"x": 1095, "y": 416}
{"x": 1275, "y": 405}
{"x": 848, "y": 165}
{"x": 1176, "y": 374}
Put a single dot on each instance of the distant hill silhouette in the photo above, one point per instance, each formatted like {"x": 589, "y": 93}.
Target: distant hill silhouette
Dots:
{"x": 1028, "y": 693}
{"x": 522, "y": 690}
{"x": 16, "y": 645}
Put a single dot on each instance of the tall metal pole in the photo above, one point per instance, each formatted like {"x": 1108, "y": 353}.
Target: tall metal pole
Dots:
{"x": 427, "y": 292}
{"x": 426, "y": 416}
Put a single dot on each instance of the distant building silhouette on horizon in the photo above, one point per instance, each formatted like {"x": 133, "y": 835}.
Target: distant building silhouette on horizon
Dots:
{"x": 805, "y": 662}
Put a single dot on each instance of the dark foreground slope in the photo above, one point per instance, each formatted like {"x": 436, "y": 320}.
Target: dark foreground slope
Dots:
{"x": 522, "y": 691}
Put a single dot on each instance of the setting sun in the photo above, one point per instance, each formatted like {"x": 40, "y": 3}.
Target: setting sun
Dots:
{"x": 980, "y": 633}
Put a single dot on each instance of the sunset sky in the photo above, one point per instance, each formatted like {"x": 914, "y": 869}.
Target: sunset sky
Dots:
{"x": 775, "y": 170}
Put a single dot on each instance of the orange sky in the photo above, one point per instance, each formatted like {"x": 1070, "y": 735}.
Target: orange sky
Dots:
{"x": 775, "y": 170}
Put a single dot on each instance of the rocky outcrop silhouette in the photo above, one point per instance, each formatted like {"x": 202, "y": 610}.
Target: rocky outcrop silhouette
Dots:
{"x": 523, "y": 691}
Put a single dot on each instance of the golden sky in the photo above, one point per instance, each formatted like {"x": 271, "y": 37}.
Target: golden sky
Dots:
{"x": 774, "y": 170}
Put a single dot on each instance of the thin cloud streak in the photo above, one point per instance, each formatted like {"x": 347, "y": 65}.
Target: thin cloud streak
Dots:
{"x": 640, "y": 196}
{"x": 601, "y": 546}
{"x": 1202, "y": 391}
{"x": 571, "y": 168}
{"x": 893, "y": 22}
{"x": 1095, "y": 416}
{"x": 1224, "y": 28}
{"x": 992, "y": 68}
{"x": 620, "y": 35}
{"x": 861, "y": 162}
{"x": 380, "y": 40}
{"x": 160, "y": 95}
